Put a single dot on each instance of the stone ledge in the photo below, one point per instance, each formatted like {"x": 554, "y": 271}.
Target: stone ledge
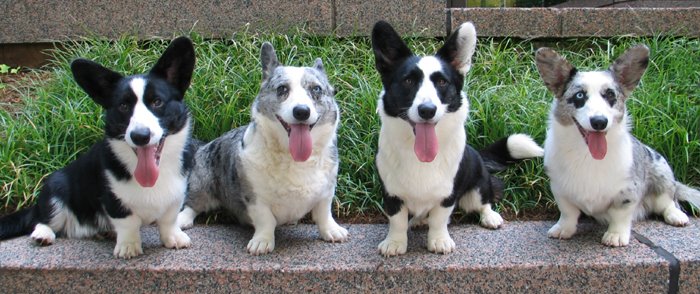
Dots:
{"x": 518, "y": 257}
{"x": 579, "y": 22}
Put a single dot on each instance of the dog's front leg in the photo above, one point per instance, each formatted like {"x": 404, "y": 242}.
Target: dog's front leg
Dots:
{"x": 128, "y": 236}
{"x": 327, "y": 227}
{"x": 170, "y": 233}
{"x": 568, "y": 219}
{"x": 397, "y": 239}
{"x": 439, "y": 240}
{"x": 620, "y": 219}
{"x": 264, "y": 222}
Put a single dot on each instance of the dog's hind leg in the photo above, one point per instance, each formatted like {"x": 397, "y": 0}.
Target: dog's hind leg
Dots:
{"x": 327, "y": 227}
{"x": 195, "y": 204}
{"x": 664, "y": 205}
{"x": 488, "y": 218}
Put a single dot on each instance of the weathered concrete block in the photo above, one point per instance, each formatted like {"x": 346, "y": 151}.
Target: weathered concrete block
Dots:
{"x": 607, "y": 22}
{"x": 510, "y": 22}
{"x": 411, "y": 17}
{"x": 47, "y": 20}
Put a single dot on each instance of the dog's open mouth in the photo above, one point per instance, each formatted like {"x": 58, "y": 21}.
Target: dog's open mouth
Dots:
{"x": 148, "y": 157}
{"x": 300, "y": 142}
{"x": 426, "y": 144}
{"x": 596, "y": 142}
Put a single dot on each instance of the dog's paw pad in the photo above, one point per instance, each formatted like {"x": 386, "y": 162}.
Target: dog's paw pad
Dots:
{"x": 128, "y": 250}
{"x": 442, "y": 245}
{"x": 177, "y": 240}
{"x": 560, "y": 232}
{"x": 615, "y": 239}
{"x": 491, "y": 220}
{"x": 335, "y": 234}
{"x": 43, "y": 235}
{"x": 390, "y": 247}
{"x": 259, "y": 246}
{"x": 676, "y": 217}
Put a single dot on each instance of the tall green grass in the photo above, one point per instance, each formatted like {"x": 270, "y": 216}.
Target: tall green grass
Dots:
{"x": 58, "y": 120}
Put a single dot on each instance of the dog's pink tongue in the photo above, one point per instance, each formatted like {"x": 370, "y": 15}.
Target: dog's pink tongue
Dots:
{"x": 597, "y": 144}
{"x": 146, "y": 172}
{"x": 426, "y": 145}
{"x": 300, "y": 142}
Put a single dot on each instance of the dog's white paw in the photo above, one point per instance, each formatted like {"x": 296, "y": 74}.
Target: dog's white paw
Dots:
{"x": 676, "y": 217}
{"x": 390, "y": 247}
{"x": 443, "y": 245}
{"x": 491, "y": 220}
{"x": 261, "y": 245}
{"x": 177, "y": 240}
{"x": 335, "y": 233}
{"x": 616, "y": 239}
{"x": 128, "y": 249}
{"x": 43, "y": 235}
{"x": 559, "y": 231}
{"x": 185, "y": 219}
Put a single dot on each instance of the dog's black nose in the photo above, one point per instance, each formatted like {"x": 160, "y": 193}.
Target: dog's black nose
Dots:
{"x": 427, "y": 110}
{"x": 301, "y": 112}
{"x": 140, "y": 136}
{"x": 599, "y": 122}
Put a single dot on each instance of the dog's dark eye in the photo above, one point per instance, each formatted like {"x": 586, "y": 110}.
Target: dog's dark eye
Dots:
{"x": 282, "y": 91}
{"x": 123, "y": 107}
{"x": 156, "y": 103}
{"x": 441, "y": 83}
{"x": 609, "y": 96}
{"x": 408, "y": 82}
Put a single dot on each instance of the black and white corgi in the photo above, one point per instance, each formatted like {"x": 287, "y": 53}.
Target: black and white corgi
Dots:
{"x": 423, "y": 160}
{"x": 136, "y": 175}
{"x": 594, "y": 164}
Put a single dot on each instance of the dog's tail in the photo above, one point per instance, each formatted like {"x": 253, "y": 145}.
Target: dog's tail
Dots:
{"x": 509, "y": 150}
{"x": 18, "y": 223}
{"x": 688, "y": 194}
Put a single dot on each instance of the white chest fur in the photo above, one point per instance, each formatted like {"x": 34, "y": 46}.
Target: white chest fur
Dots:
{"x": 290, "y": 189}
{"x": 420, "y": 185}
{"x": 589, "y": 184}
{"x": 150, "y": 203}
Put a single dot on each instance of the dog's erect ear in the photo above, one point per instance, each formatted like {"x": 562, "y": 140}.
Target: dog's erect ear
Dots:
{"x": 176, "y": 64}
{"x": 555, "y": 71}
{"x": 318, "y": 64}
{"x": 389, "y": 49}
{"x": 268, "y": 59}
{"x": 97, "y": 81}
{"x": 630, "y": 66}
{"x": 459, "y": 48}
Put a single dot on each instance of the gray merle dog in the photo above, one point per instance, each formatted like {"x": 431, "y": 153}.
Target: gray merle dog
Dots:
{"x": 279, "y": 167}
{"x": 595, "y": 165}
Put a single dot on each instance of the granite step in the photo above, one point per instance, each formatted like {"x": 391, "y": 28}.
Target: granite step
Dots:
{"x": 517, "y": 258}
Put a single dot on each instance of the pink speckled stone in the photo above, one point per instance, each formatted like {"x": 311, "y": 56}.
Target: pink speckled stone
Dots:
{"x": 518, "y": 257}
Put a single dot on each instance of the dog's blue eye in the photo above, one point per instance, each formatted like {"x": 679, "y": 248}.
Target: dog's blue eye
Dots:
{"x": 316, "y": 90}
{"x": 580, "y": 95}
